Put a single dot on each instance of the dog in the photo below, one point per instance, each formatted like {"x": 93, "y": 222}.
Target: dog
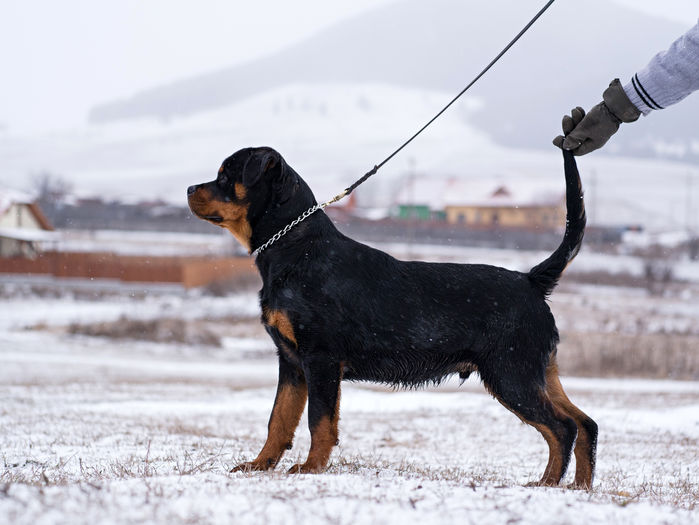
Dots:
{"x": 338, "y": 310}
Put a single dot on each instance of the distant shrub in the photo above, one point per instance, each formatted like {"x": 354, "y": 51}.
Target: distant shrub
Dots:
{"x": 240, "y": 283}
{"x": 155, "y": 330}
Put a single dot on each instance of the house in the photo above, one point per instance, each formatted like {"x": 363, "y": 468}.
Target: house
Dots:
{"x": 506, "y": 208}
{"x": 481, "y": 203}
{"x": 23, "y": 227}
{"x": 421, "y": 199}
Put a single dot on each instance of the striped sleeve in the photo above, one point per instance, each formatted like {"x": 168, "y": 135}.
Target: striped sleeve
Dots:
{"x": 669, "y": 77}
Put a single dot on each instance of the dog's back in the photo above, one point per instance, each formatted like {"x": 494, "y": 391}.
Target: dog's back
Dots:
{"x": 411, "y": 322}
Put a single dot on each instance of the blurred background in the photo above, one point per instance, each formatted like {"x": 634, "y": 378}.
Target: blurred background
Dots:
{"x": 137, "y": 101}
{"x": 111, "y": 110}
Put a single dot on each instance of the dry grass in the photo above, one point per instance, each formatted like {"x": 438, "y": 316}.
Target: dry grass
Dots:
{"x": 659, "y": 356}
{"x": 240, "y": 283}
{"x": 207, "y": 457}
{"x": 680, "y": 490}
{"x": 155, "y": 330}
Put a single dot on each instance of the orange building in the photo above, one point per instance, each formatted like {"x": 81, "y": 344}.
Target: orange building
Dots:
{"x": 504, "y": 209}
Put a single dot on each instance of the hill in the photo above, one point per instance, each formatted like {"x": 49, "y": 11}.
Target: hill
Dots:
{"x": 566, "y": 59}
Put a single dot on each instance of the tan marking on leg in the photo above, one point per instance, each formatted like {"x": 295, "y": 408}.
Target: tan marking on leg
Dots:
{"x": 324, "y": 436}
{"x": 554, "y": 468}
{"x": 323, "y": 439}
{"x": 286, "y": 414}
{"x": 584, "y": 453}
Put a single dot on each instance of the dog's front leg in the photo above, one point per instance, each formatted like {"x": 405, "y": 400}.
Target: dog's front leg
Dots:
{"x": 286, "y": 413}
{"x": 323, "y": 379}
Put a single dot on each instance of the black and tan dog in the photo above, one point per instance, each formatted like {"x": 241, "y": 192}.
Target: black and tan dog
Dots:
{"x": 337, "y": 309}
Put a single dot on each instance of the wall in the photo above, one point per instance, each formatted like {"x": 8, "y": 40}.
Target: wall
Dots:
{"x": 188, "y": 271}
{"x": 521, "y": 217}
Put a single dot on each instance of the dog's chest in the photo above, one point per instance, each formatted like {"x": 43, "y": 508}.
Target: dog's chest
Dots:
{"x": 280, "y": 328}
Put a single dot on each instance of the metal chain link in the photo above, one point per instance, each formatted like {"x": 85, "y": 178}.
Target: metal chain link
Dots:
{"x": 305, "y": 215}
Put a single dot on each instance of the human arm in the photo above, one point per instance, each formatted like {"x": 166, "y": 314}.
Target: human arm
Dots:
{"x": 668, "y": 78}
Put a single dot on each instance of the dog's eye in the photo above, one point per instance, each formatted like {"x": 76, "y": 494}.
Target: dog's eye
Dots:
{"x": 222, "y": 179}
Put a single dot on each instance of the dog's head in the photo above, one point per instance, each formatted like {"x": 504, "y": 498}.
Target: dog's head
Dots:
{"x": 254, "y": 193}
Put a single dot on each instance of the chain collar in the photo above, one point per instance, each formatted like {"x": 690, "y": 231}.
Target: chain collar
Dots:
{"x": 305, "y": 215}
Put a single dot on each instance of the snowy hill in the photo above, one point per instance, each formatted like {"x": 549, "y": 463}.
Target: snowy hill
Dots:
{"x": 332, "y": 134}
{"x": 567, "y": 59}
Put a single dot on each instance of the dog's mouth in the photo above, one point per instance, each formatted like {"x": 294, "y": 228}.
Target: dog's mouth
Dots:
{"x": 216, "y": 219}
{"x": 211, "y": 217}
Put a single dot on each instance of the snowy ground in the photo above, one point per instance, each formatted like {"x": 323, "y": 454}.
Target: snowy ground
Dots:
{"x": 95, "y": 430}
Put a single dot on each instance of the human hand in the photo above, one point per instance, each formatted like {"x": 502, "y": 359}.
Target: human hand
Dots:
{"x": 583, "y": 133}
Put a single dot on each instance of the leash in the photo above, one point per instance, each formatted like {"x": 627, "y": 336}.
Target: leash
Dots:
{"x": 344, "y": 193}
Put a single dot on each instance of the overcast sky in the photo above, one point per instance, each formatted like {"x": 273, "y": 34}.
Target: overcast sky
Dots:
{"x": 59, "y": 58}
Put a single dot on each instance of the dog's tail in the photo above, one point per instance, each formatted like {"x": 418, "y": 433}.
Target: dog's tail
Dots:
{"x": 545, "y": 275}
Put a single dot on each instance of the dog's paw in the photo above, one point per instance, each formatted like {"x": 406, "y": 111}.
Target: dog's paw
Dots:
{"x": 542, "y": 483}
{"x": 305, "y": 468}
{"x": 254, "y": 466}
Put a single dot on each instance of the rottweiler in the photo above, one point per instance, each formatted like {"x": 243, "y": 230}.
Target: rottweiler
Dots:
{"x": 338, "y": 310}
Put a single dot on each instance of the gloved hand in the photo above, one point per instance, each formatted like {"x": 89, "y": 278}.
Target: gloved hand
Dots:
{"x": 585, "y": 133}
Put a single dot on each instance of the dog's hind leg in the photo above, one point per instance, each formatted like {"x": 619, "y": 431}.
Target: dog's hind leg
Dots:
{"x": 323, "y": 378}
{"x": 586, "y": 444}
{"x": 529, "y": 401}
{"x": 286, "y": 413}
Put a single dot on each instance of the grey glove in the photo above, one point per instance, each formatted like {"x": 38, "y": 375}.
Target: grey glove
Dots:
{"x": 585, "y": 133}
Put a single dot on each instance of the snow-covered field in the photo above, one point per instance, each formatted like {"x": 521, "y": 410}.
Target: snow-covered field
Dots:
{"x": 97, "y": 430}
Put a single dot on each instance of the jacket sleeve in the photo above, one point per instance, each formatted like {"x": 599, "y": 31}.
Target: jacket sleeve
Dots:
{"x": 670, "y": 75}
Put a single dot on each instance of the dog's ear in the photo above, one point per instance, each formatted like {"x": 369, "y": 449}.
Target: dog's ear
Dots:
{"x": 258, "y": 164}
{"x": 268, "y": 163}
{"x": 285, "y": 183}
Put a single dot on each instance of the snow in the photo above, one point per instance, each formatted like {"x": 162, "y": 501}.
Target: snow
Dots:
{"x": 26, "y": 312}
{"x": 26, "y": 234}
{"x": 8, "y": 197}
{"x": 95, "y": 430}
{"x": 125, "y": 242}
{"x": 522, "y": 260}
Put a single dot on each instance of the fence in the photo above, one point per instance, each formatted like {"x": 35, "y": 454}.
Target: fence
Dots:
{"x": 188, "y": 271}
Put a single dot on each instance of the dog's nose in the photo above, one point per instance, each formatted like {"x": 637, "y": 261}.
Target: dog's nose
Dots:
{"x": 191, "y": 190}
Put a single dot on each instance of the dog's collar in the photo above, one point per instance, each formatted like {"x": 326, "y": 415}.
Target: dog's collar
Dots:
{"x": 305, "y": 215}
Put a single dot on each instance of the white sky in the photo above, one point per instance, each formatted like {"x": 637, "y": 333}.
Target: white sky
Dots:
{"x": 59, "y": 58}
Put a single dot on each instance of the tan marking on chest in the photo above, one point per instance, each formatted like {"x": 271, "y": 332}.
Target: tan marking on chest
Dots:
{"x": 279, "y": 320}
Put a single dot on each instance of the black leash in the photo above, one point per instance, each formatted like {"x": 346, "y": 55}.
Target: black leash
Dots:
{"x": 423, "y": 128}
{"x": 376, "y": 168}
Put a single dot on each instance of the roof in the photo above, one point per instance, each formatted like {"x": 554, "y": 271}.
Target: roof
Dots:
{"x": 439, "y": 193}
{"x": 12, "y": 197}
{"x": 24, "y": 234}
